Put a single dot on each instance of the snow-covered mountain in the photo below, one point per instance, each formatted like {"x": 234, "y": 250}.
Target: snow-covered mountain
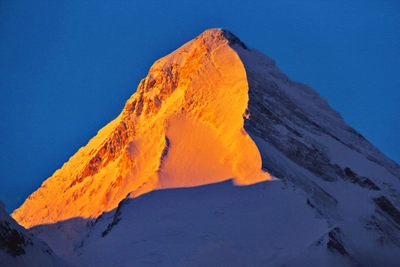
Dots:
{"x": 20, "y": 248}
{"x": 212, "y": 111}
{"x": 183, "y": 127}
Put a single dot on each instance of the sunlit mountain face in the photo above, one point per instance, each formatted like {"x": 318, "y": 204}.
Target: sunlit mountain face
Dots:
{"x": 153, "y": 184}
{"x": 183, "y": 127}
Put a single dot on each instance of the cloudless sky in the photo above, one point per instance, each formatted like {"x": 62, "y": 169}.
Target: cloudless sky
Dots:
{"x": 67, "y": 67}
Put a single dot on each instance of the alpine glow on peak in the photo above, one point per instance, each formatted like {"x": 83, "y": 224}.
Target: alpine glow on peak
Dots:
{"x": 211, "y": 111}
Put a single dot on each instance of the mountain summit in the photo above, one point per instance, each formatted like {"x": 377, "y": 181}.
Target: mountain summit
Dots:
{"x": 215, "y": 110}
{"x": 183, "y": 127}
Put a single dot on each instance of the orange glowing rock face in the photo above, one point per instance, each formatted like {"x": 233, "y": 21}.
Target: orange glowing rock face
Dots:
{"x": 183, "y": 127}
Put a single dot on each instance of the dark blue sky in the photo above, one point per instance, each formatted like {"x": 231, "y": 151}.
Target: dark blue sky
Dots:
{"x": 67, "y": 67}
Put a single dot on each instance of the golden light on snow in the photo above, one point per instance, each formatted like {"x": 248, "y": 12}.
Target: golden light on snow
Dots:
{"x": 183, "y": 127}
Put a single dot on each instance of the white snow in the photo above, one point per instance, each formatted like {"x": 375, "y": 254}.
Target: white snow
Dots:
{"x": 207, "y": 225}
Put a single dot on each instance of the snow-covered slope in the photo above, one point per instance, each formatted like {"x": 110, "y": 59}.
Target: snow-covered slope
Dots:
{"x": 20, "y": 248}
{"x": 211, "y": 111}
{"x": 301, "y": 139}
{"x": 212, "y": 225}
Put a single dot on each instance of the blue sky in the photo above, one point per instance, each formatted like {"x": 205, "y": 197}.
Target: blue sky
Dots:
{"x": 67, "y": 67}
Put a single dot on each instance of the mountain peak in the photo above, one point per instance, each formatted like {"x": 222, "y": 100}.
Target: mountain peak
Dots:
{"x": 214, "y": 110}
{"x": 183, "y": 127}
{"x": 216, "y": 34}
{"x": 233, "y": 39}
